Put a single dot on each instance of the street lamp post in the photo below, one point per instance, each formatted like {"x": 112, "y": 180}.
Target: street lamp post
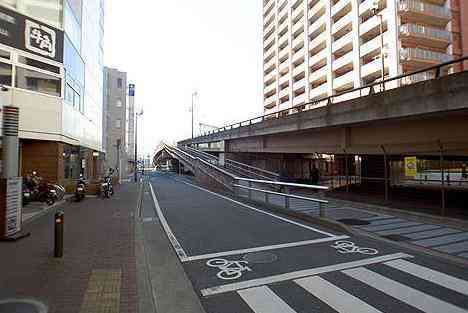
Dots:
{"x": 375, "y": 9}
{"x": 136, "y": 145}
{"x": 194, "y": 94}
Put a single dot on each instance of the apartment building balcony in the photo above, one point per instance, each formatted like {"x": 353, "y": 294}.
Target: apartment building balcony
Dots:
{"x": 427, "y": 13}
{"x": 270, "y": 90}
{"x": 298, "y": 70}
{"x": 269, "y": 65}
{"x": 298, "y": 42}
{"x": 317, "y": 41}
{"x": 319, "y": 75}
{"x": 319, "y": 92}
{"x": 343, "y": 62}
{"x": 372, "y": 25}
{"x": 317, "y": 25}
{"x": 270, "y": 102}
{"x": 270, "y": 77}
{"x": 284, "y": 105}
{"x": 283, "y": 27}
{"x": 269, "y": 48}
{"x": 298, "y": 26}
{"x": 318, "y": 58}
{"x": 317, "y": 10}
{"x": 284, "y": 92}
{"x": 284, "y": 79}
{"x": 297, "y": 13}
{"x": 343, "y": 25}
{"x": 267, "y": 6}
{"x": 298, "y": 56}
{"x": 299, "y": 85}
{"x": 426, "y": 36}
{"x": 269, "y": 40}
{"x": 282, "y": 5}
{"x": 372, "y": 47}
{"x": 366, "y": 7}
{"x": 373, "y": 69}
{"x": 270, "y": 29}
{"x": 423, "y": 57}
{"x": 283, "y": 40}
{"x": 284, "y": 53}
{"x": 344, "y": 82}
{"x": 342, "y": 7}
{"x": 268, "y": 11}
{"x": 417, "y": 78}
{"x": 284, "y": 67}
{"x": 300, "y": 99}
{"x": 345, "y": 43}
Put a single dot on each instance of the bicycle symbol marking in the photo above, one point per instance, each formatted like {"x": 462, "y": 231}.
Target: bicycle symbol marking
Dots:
{"x": 343, "y": 246}
{"x": 229, "y": 269}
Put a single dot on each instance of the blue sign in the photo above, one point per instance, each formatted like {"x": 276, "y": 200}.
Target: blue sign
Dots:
{"x": 131, "y": 90}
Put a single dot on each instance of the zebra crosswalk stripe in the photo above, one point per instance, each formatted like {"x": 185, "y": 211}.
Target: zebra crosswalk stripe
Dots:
{"x": 431, "y": 275}
{"x": 264, "y": 300}
{"x": 408, "y": 295}
{"x": 335, "y": 297}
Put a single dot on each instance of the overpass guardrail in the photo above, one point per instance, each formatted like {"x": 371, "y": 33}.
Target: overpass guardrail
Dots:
{"x": 436, "y": 71}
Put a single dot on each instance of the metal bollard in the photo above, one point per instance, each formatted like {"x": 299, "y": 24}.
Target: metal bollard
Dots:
{"x": 58, "y": 238}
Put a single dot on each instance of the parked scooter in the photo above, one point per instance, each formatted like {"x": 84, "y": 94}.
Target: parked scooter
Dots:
{"x": 80, "y": 191}
{"x": 39, "y": 190}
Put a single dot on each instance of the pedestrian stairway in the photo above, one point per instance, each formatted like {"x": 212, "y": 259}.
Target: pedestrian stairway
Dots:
{"x": 393, "y": 286}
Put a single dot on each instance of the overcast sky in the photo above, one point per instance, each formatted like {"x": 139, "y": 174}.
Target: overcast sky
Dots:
{"x": 171, "y": 48}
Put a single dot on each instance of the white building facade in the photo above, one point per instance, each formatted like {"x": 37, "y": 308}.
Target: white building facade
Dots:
{"x": 318, "y": 48}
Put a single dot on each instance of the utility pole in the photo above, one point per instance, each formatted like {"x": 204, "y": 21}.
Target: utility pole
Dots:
{"x": 194, "y": 94}
{"x": 136, "y": 145}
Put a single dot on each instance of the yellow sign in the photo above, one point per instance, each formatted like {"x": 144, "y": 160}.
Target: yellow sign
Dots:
{"x": 411, "y": 167}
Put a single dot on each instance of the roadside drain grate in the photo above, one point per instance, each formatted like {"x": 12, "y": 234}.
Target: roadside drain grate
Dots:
{"x": 353, "y": 221}
{"x": 260, "y": 257}
{"x": 396, "y": 237}
{"x": 22, "y": 306}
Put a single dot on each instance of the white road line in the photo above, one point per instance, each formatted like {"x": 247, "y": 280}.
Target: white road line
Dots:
{"x": 300, "y": 274}
{"x": 263, "y": 248}
{"x": 431, "y": 275}
{"x": 335, "y": 297}
{"x": 408, "y": 295}
{"x": 175, "y": 243}
{"x": 264, "y": 300}
{"x": 260, "y": 211}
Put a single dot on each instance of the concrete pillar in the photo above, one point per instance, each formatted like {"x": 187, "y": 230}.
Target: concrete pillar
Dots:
{"x": 330, "y": 58}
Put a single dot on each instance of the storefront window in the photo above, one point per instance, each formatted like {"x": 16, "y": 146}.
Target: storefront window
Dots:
{"x": 36, "y": 81}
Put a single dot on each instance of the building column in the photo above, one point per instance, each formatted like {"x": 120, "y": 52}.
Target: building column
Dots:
{"x": 290, "y": 55}
{"x": 357, "y": 62}
{"x": 306, "y": 50}
{"x": 329, "y": 40}
{"x": 276, "y": 22}
{"x": 393, "y": 43}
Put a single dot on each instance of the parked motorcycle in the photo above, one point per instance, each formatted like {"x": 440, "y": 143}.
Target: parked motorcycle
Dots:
{"x": 40, "y": 190}
{"x": 80, "y": 191}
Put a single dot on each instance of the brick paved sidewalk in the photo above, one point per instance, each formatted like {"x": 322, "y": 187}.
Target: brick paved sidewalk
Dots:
{"x": 98, "y": 270}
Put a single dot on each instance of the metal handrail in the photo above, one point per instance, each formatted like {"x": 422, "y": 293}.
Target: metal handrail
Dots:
{"x": 254, "y": 168}
{"x": 283, "y": 194}
{"x": 329, "y": 99}
{"x": 276, "y": 183}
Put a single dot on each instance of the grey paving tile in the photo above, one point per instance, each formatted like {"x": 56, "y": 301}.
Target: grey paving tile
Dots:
{"x": 454, "y": 247}
{"x": 437, "y": 241}
{"x": 379, "y": 217}
{"x": 408, "y": 230}
{"x": 433, "y": 233}
{"x": 389, "y": 226}
{"x": 387, "y": 221}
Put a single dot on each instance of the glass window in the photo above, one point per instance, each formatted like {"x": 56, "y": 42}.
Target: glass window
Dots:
{"x": 39, "y": 64}
{"x": 40, "y": 82}
{"x": 76, "y": 7}
{"x": 119, "y": 103}
{"x": 118, "y": 123}
{"x": 5, "y": 74}
{"x": 73, "y": 63}
{"x": 69, "y": 94}
{"x": 77, "y": 101}
{"x": 119, "y": 82}
{"x": 72, "y": 26}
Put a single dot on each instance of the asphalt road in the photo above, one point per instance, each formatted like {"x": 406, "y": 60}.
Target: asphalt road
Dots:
{"x": 241, "y": 259}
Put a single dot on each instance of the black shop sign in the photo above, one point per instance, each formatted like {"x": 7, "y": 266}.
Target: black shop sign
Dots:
{"x": 27, "y": 34}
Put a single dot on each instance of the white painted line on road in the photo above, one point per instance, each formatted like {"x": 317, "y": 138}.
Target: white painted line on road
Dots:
{"x": 408, "y": 295}
{"x": 175, "y": 243}
{"x": 263, "y": 248}
{"x": 335, "y": 297}
{"x": 299, "y": 274}
{"x": 264, "y": 300}
{"x": 260, "y": 211}
{"x": 431, "y": 275}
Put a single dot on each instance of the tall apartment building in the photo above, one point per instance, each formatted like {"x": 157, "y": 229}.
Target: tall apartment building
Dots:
{"x": 51, "y": 61}
{"x": 114, "y": 122}
{"x": 317, "y": 48}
